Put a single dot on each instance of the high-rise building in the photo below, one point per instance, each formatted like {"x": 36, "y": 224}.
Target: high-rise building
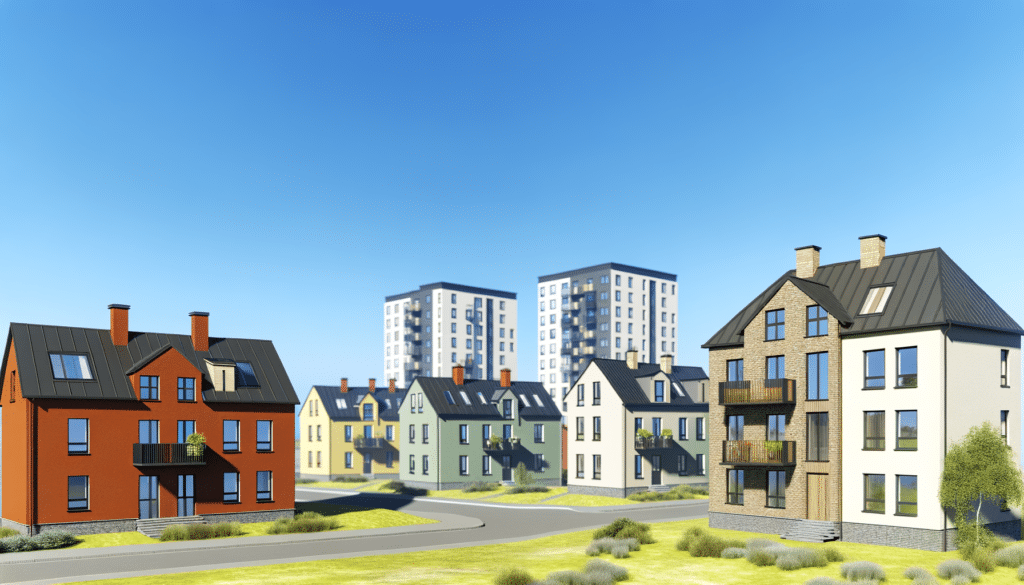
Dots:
{"x": 427, "y": 331}
{"x": 602, "y": 311}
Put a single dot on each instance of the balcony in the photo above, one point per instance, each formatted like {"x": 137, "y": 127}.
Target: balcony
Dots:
{"x": 365, "y": 443}
{"x": 762, "y": 453}
{"x": 154, "y": 454}
{"x": 412, "y": 366}
{"x": 566, "y": 349}
{"x": 503, "y": 445}
{"x": 781, "y": 391}
{"x": 647, "y": 443}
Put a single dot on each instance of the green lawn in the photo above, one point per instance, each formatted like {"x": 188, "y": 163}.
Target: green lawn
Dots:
{"x": 345, "y": 485}
{"x": 529, "y": 497}
{"x": 581, "y": 500}
{"x": 658, "y": 563}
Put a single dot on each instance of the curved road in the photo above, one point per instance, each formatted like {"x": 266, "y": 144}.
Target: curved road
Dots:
{"x": 461, "y": 523}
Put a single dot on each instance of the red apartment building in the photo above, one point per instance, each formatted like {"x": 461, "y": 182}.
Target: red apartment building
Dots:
{"x": 94, "y": 428}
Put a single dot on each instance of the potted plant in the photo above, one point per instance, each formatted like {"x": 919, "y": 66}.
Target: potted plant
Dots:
{"x": 196, "y": 443}
{"x": 495, "y": 442}
{"x": 773, "y": 449}
{"x": 644, "y": 433}
{"x": 666, "y": 436}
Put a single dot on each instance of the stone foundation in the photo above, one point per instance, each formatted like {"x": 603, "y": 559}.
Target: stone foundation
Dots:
{"x": 457, "y": 485}
{"x": 80, "y": 528}
{"x": 749, "y": 523}
{"x": 247, "y": 517}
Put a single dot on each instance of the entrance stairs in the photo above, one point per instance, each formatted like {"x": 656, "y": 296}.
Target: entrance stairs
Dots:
{"x": 153, "y": 527}
{"x": 812, "y": 531}
{"x": 659, "y": 488}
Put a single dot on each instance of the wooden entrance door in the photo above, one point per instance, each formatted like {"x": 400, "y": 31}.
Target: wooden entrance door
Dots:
{"x": 817, "y": 496}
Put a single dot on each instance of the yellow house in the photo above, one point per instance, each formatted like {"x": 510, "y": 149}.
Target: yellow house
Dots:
{"x": 350, "y": 431}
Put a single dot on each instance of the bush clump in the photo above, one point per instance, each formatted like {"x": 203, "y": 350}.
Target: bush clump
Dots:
{"x": 862, "y": 571}
{"x": 734, "y": 553}
{"x": 18, "y": 543}
{"x": 951, "y": 568}
{"x": 304, "y": 480}
{"x": 756, "y": 543}
{"x": 1020, "y": 573}
{"x": 513, "y": 577}
{"x": 599, "y": 566}
{"x": 919, "y": 576}
{"x": 304, "y": 522}
{"x": 51, "y": 539}
{"x": 984, "y": 560}
{"x": 5, "y": 532}
{"x": 959, "y": 580}
{"x": 525, "y": 489}
{"x": 626, "y": 528}
{"x": 174, "y": 532}
{"x": 833, "y": 555}
{"x": 799, "y": 558}
{"x": 400, "y": 488}
{"x": 824, "y": 581}
{"x": 1011, "y": 556}
{"x": 481, "y": 486}
{"x": 200, "y": 531}
{"x": 610, "y": 545}
{"x": 679, "y": 492}
{"x": 350, "y": 479}
{"x": 760, "y": 557}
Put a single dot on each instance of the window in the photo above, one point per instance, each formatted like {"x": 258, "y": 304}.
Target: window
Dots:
{"x": 874, "y": 430}
{"x": 368, "y": 411}
{"x": 817, "y": 321}
{"x": 389, "y": 459}
{"x": 78, "y": 436}
{"x": 187, "y": 389}
{"x": 263, "y": 486}
{"x": 426, "y": 464}
{"x": 78, "y": 492}
{"x": 579, "y": 428}
{"x": 817, "y": 376}
{"x": 486, "y": 433}
{"x": 245, "y": 377}
{"x": 874, "y": 369}
{"x": 734, "y": 424}
{"x": 776, "y": 427}
{"x": 776, "y": 489}
{"x": 463, "y": 465}
{"x": 638, "y": 423}
{"x": 348, "y": 433}
{"x": 506, "y": 432}
{"x": 412, "y": 464}
{"x": 906, "y": 430}
{"x": 906, "y": 367}
{"x": 318, "y": 458}
{"x": 453, "y": 300}
{"x": 659, "y": 391}
{"x": 538, "y": 462}
{"x": 701, "y": 469}
{"x": 1004, "y": 415}
{"x": 367, "y": 431}
{"x": 682, "y": 428}
{"x": 149, "y": 387}
{"x": 263, "y": 435}
{"x": 700, "y": 428}
{"x": 70, "y": 367}
{"x": 487, "y": 465}
{"x": 597, "y": 428}
{"x": 906, "y": 495}
{"x": 579, "y": 466}
{"x": 776, "y": 367}
{"x": 185, "y": 429}
{"x": 230, "y": 435}
{"x": 874, "y": 303}
{"x": 389, "y": 432}
{"x": 231, "y": 487}
{"x": 1004, "y": 357}
{"x": 734, "y": 370}
{"x": 464, "y": 434}
{"x": 348, "y": 460}
{"x": 597, "y": 393}
{"x": 597, "y": 467}
{"x": 817, "y": 436}
{"x": 638, "y": 465}
{"x": 874, "y": 493}
{"x": 310, "y": 459}
{"x": 734, "y": 487}
{"x": 426, "y": 434}
{"x": 774, "y": 325}
{"x": 538, "y": 433}
{"x": 419, "y": 399}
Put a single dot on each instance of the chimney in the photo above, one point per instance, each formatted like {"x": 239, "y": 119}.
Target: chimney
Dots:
{"x": 391, "y": 386}
{"x": 200, "y": 330}
{"x": 458, "y": 374}
{"x": 506, "y": 377}
{"x": 666, "y": 363}
{"x": 119, "y": 324}
{"x": 373, "y": 385}
{"x": 344, "y": 385}
{"x": 631, "y": 359}
{"x": 807, "y": 260}
{"x": 872, "y": 250}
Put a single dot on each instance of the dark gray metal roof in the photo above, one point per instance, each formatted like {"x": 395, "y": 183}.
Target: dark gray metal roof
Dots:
{"x": 623, "y": 381}
{"x": 434, "y": 388}
{"x": 455, "y": 287}
{"x": 606, "y": 267}
{"x": 330, "y": 395}
{"x": 929, "y": 289}
{"x": 111, "y": 365}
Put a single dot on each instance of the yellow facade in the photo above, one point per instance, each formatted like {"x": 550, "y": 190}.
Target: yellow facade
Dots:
{"x": 342, "y": 445}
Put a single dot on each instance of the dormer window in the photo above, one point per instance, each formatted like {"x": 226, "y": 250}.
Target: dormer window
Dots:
{"x": 876, "y": 300}
{"x": 223, "y": 373}
{"x": 368, "y": 411}
{"x": 659, "y": 391}
{"x": 244, "y": 375}
{"x": 70, "y": 367}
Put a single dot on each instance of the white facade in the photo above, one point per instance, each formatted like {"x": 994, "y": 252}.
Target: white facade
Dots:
{"x": 428, "y": 331}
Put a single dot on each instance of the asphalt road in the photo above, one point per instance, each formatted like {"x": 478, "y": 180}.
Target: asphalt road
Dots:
{"x": 461, "y": 524}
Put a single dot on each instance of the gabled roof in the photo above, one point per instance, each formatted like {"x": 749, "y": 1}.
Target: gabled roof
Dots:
{"x": 344, "y": 406}
{"x": 929, "y": 289}
{"x": 434, "y": 389}
{"x": 111, "y": 365}
{"x": 623, "y": 381}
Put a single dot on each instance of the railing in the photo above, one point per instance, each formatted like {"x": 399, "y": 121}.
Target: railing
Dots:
{"x": 150, "y": 454}
{"x": 566, "y": 349}
{"x": 779, "y": 391}
{"x": 641, "y": 443}
{"x": 370, "y": 443}
{"x": 759, "y": 453}
{"x": 409, "y": 366}
{"x": 503, "y": 445}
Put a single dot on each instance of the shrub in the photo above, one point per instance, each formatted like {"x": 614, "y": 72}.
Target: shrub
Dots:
{"x": 679, "y": 492}
{"x": 691, "y": 534}
{"x": 799, "y": 558}
{"x": 393, "y": 485}
{"x": 304, "y": 480}
{"x": 916, "y": 573}
{"x": 56, "y": 539}
{"x": 304, "y": 522}
{"x": 608, "y": 545}
{"x": 632, "y": 529}
{"x": 18, "y": 543}
{"x": 734, "y": 553}
{"x": 568, "y": 578}
{"x": 524, "y": 489}
{"x": 513, "y": 577}
{"x": 620, "y": 551}
{"x": 481, "y": 486}
{"x": 824, "y": 581}
{"x": 174, "y": 532}
{"x": 1011, "y": 556}
{"x": 350, "y": 479}
{"x": 5, "y": 532}
{"x": 833, "y": 555}
{"x": 760, "y": 557}
{"x": 984, "y": 560}
{"x": 222, "y": 529}
{"x": 708, "y": 546}
{"x": 598, "y": 566}
{"x": 755, "y": 543}
{"x": 862, "y": 571}
{"x": 959, "y": 580}
{"x": 952, "y": 567}
{"x": 1020, "y": 572}
{"x": 199, "y": 531}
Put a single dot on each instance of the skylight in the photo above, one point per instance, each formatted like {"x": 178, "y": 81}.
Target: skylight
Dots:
{"x": 536, "y": 398}
{"x": 387, "y": 402}
{"x": 526, "y": 403}
{"x": 448, "y": 397}
{"x": 679, "y": 390}
{"x": 876, "y": 300}
{"x": 341, "y": 403}
{"x": 465, "y": 397}
{"x": 70, "y": 367}
{"x": 482, "y": 399}
{"x": 244, "y": 375}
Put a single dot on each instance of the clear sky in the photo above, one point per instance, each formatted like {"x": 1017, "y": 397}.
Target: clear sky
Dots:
{"x": 287, "y": 165}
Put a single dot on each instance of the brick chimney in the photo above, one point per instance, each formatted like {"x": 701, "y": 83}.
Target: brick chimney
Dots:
{"x": 373, "y": 385}
{"x": 632, "y": 359}
{"x": 391, "y": 386}
{"x": 458, "y": 374}
{"x": 807, "y": 260}
{"x": 506, "y": 377}
{"x": 872, "y": 250}
{"x": 119, "y": 324}
{"x": 344, "y": 385}
{"x": 200, "y": 330}
{"x": 666, "y": 363}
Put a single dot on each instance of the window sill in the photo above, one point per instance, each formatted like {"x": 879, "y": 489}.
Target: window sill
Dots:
{"x": 259, "y": 501}
{"x": 813, "y": 461}
{"x": 733, "y": 504}
{"x": 186, "y": 401}
{"x": 873, "y": 388}
{"x": 904, "y": 449}
{"x": 866, "y": 449}
{"x": 903, "y": 387}
{"x": 73, "y": 510}
{"x": 905, "y": 515}
{"x": 872, "y": 512}
{"x": 235, "y": 502}
{"x": 77, "y": 454}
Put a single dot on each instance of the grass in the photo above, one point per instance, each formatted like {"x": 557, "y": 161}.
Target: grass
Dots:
{"x": 529, "y": 497}
{"x": 581, "y": 500}
{"x": 657, "y": 563}
{"x": 345, "y": 485}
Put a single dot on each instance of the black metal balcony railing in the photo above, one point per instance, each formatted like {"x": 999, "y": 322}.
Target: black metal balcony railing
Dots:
{"x": 370, "y": 443}
{"x": 768, "y": 453}
{"x": 641, "y": 443}
{"x": 151, "y": 454}
{"x": 504, "y": 445}
{"x": 778, "y": 391}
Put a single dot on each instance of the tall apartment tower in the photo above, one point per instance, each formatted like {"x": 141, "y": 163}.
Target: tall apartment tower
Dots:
{"x": 427, "y": 331}
{"x": 602, "y": 311}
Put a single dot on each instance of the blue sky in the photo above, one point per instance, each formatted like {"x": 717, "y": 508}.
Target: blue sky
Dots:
{"x": 285, "y": 166}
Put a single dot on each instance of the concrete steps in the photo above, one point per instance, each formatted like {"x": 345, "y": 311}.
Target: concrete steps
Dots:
{"x": 153, "y": 527}
{"x": 660, "y": 488}
{"x": 813, "y": 531}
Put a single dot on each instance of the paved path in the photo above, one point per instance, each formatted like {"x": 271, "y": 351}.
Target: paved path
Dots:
{"x": 461, "y": 523}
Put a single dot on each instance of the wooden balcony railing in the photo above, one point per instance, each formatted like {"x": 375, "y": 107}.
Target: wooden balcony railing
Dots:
{"x": 152, "y": 454}
{"x": 768, "y": 453}
{"x": 779, "y": 391}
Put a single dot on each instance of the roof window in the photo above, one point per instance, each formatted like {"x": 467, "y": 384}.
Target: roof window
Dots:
{"x": 522, "y": 398}
{"x": 244, "y": 375}
{"x": 465, "y": 397}
{"x": 448, "y": 397}
{"x": 536, "y": 398}
{"x": 482, "y": 399}
{"x": 70, "y": 367}
{"x": 387, "y": 401}
{"x": 877, "y": 298}
{"x": 341, "y": 402}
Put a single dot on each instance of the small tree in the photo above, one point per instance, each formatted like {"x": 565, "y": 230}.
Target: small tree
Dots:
{"x": 978, "y": 468}
{"x": 521, "y": 476}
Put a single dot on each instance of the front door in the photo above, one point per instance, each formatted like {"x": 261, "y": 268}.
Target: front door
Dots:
{"x": 506, "y": 468}
{"x": 817, "y": 496}
{"x": 656, "y": 470}
{"x": 148, "y": 507}
{"x": 186, "y": 495}
{"x": 366, "y": 463}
